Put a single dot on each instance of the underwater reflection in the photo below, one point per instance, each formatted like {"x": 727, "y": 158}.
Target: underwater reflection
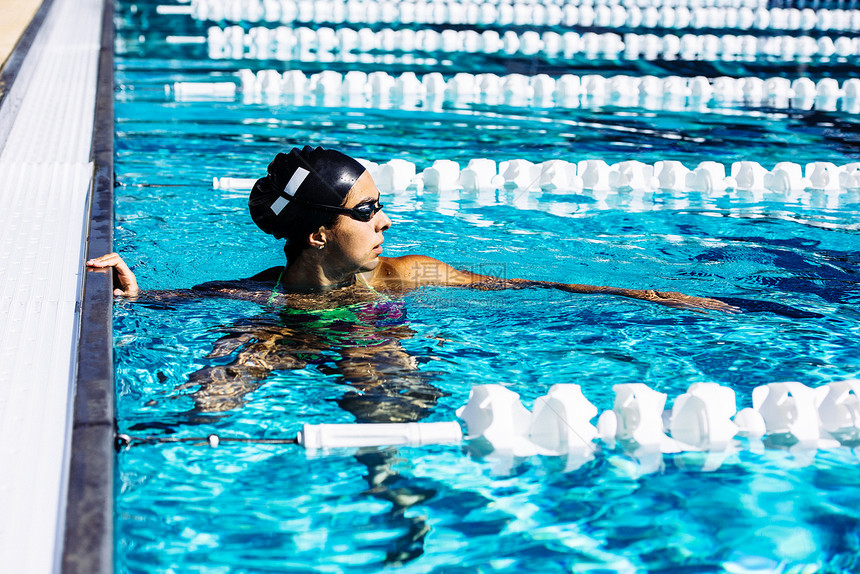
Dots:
{"x": 355, "y": 336}
{"x": 359, "y": 343}
{"x": 385, "y": 483}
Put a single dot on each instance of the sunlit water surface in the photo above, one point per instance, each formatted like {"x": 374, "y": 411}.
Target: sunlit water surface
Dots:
{"x": 463, "y": 508}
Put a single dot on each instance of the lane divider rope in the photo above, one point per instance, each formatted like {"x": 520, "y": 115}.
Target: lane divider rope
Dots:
{"x": 430, "y": 91}
{"x": 286, "y": 43}
{"x": 521, "y": 13}
{"x": 704, "y": 419}
{"x": 597, "y": 176}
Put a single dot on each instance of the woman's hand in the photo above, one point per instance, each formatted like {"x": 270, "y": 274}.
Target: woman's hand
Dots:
{"x": 123, "y": 278}
{"x": 681, "y": 301}
{"x": 667, "y": 298}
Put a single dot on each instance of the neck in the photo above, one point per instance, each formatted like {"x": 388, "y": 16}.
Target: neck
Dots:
{"x": 304, "y": 275}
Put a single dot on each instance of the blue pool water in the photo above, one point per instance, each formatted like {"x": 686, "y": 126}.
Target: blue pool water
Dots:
{"x": 273, "y": 508}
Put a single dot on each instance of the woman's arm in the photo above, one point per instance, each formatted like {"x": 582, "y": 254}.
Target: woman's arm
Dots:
{"x": 411, "y": 271}
{"x": 257, "y": 288}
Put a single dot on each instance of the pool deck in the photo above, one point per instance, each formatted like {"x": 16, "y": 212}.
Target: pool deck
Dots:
{"x": 56, "y": 406}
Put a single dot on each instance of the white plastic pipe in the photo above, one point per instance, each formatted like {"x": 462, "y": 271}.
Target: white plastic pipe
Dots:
{"x": 321, "y": 436}
{"x": 233, "y": 183}
{"x": 184, "y": 90}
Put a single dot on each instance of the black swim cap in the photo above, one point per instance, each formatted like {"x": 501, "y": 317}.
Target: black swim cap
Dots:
{"x": 320, "y": 176}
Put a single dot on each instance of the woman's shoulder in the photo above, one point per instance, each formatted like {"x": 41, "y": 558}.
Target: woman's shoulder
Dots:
{"x": 404, "y": 266}
{"x": 262, "y": 280}
{"x": 408, "y": 263}
{"x": 410, "y": 271}
{"x": 270, "y": 274}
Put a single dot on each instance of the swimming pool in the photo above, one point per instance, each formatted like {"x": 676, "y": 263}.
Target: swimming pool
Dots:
{"x": 257, "y": 508}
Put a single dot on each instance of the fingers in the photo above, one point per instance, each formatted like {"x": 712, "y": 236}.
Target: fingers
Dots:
{"x": 124, "y": 279}
{"x": 726, "y": 308}
{"x": 682, "y": 301}
{"x": 714, "y": 305}
{"x": 109, "y": 260}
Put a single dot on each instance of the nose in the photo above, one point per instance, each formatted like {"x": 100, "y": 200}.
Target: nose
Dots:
{"x": 382, "y": 221}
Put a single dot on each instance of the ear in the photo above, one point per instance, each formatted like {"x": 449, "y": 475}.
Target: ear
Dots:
{"x": 318, "y": 238}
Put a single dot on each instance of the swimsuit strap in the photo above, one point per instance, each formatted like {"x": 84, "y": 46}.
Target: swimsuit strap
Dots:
{"x": 360, "y": 277}
{"x": 275, "y": 288}
{"x": 382, "y": 296}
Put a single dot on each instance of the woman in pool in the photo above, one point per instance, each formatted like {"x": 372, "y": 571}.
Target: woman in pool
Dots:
{"x": 326, "y": 206}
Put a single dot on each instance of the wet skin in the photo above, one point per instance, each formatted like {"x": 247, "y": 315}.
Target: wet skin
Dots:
{"x": 351, "y": 250}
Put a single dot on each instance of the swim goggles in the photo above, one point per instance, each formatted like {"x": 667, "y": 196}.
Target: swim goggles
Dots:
{"x": 362, "y": 212}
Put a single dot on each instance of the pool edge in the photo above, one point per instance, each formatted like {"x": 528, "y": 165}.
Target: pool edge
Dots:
{"x": 88, "y": 539}
{"x": 11, "y": 67}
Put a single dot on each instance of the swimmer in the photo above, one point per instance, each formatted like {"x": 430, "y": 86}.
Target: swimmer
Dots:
{"x": 326, "y": 207}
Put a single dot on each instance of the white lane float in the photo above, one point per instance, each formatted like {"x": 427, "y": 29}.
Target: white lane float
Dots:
{"x": 693, "y": 15}
{"x": 596, "y": 177}
{"x": 540, "y": 91}
{"x": 703, "y": 419}
{"x": 288, "y": 43}
{"x": 495, "y": 414}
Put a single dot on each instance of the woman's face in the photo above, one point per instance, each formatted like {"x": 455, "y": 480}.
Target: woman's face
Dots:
{"x": 354, "y": 246}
